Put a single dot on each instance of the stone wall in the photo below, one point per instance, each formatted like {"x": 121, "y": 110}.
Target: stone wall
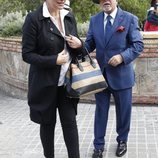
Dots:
{"x": 14, "y": 72}
{"x": 146, "y": 70}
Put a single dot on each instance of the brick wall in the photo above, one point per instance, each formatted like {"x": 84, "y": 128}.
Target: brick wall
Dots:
{"x": 10, "y": 44}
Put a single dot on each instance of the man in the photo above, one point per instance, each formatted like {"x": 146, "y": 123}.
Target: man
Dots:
{"x": 115, "y": 35}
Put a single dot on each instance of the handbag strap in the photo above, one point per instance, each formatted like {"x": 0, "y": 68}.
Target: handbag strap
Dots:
{"x": 79, "y": 65}
{"x": 90, "y": 59}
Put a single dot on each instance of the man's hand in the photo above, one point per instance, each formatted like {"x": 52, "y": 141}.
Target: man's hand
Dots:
{"x": 62, "y": 58}
{"x": 115, "y": 60}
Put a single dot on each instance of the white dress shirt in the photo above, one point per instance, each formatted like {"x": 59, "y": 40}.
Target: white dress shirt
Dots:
{"x": 113, "y": 15}
{"x": 63, "y": 13}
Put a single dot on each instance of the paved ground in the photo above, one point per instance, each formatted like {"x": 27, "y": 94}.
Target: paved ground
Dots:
{"x": 19, "y": 137}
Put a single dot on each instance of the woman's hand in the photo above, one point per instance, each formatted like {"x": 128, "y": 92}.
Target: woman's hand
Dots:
{"x": 62, "y": 58}
{"x": 73, "y": 41}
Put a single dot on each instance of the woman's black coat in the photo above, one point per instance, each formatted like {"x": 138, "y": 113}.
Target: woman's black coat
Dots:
{"x": 41, "y": 44}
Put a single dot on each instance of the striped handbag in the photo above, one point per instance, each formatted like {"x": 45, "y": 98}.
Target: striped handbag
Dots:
{"x": 84, "y": 78}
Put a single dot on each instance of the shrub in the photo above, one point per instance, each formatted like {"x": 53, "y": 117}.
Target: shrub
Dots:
{"x": 11, "y": 24}
{"x": 83, "y": 28}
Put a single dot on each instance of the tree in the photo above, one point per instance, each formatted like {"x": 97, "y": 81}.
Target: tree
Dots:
{"x": 7, "y": 6}
{"x": 31, "y": 4}
{"x": 83, "y": 9}
{"x": 137, "y": 7}
{"x": 16, "y": 5}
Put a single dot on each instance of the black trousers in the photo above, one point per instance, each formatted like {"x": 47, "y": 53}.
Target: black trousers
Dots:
{"x": 67, "y": 115}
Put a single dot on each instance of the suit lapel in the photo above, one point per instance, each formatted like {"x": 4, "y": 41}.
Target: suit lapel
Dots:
{"x": 116, "y": 24}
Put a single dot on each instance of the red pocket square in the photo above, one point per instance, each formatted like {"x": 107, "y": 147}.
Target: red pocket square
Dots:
{"x": 120, "y": 29}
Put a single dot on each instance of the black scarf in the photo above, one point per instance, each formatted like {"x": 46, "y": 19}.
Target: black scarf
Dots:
{"x": 153, "y": 18}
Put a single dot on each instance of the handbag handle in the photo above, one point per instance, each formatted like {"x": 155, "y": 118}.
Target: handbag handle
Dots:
{"x": 90, "y": 59}
{"x": 79, "y": 65}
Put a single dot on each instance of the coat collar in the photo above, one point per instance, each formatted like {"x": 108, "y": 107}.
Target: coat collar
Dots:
{"x": 41, "y": 17}
{"x": 46, "y": 13}
{"x": 51, "y": 26}
{"x": 63, "y": 13}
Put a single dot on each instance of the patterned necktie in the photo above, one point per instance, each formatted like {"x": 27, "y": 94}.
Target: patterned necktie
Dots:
{"x": 108, "y": 28}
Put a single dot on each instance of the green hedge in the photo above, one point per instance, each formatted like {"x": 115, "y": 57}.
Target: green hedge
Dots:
{"x": 11, "y": 24}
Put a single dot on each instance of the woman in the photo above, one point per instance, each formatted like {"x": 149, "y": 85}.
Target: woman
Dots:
{"x": 152, "y": 4}
{"x": 49, "y": 44}
{"x": 151, "y": 23}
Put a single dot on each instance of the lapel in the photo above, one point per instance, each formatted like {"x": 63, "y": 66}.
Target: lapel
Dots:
{"x": 50, "y": 26}
{"x": 116, "y": 24}
{"x": 69, "y": 24}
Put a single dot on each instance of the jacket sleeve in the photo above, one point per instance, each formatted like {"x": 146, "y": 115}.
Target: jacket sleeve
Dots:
{"x": 90, "y": 43}
{"x": 135, "y": 42}
{"x": 29, "y": 45}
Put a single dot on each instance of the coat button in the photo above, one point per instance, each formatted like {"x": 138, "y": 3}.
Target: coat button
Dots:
{"x": 52, "y": 38}
{"x": 51, "y": 29}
